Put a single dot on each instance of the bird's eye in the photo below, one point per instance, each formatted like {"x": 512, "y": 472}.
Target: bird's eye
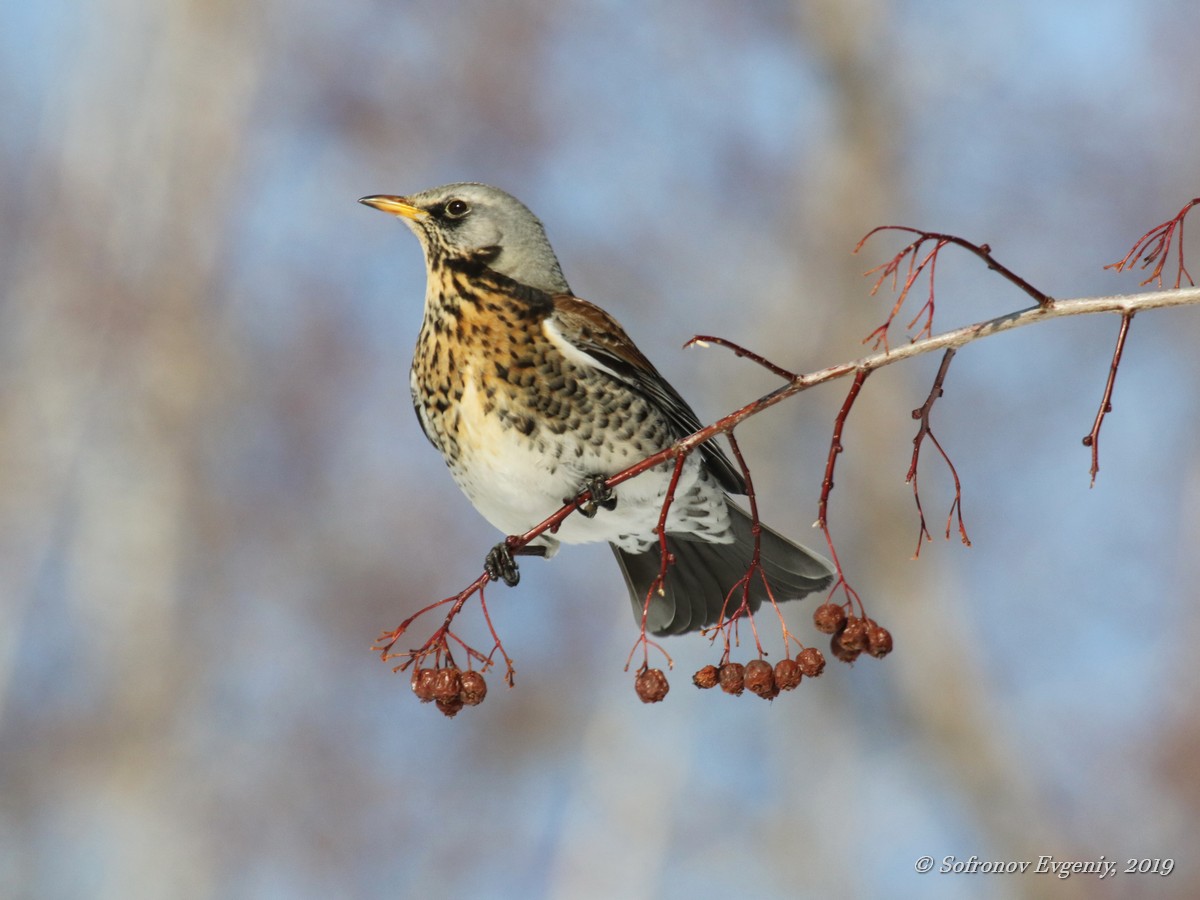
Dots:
{"x": 456, "y": 209}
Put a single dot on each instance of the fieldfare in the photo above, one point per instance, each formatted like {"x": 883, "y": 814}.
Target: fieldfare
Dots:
{"x": 532, "y": 394}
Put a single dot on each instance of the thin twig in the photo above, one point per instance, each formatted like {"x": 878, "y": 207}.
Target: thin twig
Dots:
{"x": 704, "y": 340}
{"x": 835, "y": 450}
{"x": 509, "y": 671}
{"x": 727, "y": 625}
{"x": 983, "y": 251}
{"x": 925, "y": 430}
{"x": 438, "y": 643}
{"x": 666, "y": 559}
{"x": 1092, "y": 438}
{"x": 911, "y": 251}
{"x": 1155, "y": 245}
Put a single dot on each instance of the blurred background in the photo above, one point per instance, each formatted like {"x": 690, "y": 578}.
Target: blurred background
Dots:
{"x": 214, "y": 493}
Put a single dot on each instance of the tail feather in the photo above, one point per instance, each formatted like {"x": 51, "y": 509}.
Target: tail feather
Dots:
{"x": 704, "y": 573}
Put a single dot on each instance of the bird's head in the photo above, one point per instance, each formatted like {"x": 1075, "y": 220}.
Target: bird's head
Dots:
{"x": 480, "y": 223}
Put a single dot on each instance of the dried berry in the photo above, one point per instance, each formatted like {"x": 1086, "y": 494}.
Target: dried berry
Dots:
{"x": 651, "y": 685}
{"x": 446, "y": 685}
{"x": 450, "y": 707}
{"x": 829, "y": 618}
{"x": 840, "y": 650}
{"x": 811, "y": 661}
{"x": 760, "y": 678}
{"x": 787, "y": 674}
{"x": 708, "y": 677}
{"x": 422, "y": 684}
{"x": 472, "y": 688}
{"x": 733, "y": 678}
{"x": 879, "y": 640}
{"x": 853, "y": 636}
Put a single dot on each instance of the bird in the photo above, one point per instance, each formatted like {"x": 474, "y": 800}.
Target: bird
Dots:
{"x": 532, "y": 395}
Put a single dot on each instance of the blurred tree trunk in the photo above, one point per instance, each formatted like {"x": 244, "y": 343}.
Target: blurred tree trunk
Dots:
{"x": 855, "y": 186}
{"x": 120, "y": 374}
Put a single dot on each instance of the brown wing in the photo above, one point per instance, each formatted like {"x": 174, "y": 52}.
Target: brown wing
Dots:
{"x": 595, "y": 333}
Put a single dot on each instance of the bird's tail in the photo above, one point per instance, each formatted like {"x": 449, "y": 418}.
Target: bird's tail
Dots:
{"x": 696, "y": 586}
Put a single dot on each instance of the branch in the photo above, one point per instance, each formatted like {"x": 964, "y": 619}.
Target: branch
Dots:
{"x": 958, "y": 337}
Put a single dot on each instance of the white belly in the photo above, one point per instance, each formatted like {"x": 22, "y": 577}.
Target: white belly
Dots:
{"x": 516, "y": 481}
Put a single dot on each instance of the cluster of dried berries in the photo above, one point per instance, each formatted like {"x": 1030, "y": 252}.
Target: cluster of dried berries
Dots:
{"x": 759, "y": 677}
{"x": 651, "y": 685}
{"x": 851, "y": 635}
{"x": 449, "y": 687}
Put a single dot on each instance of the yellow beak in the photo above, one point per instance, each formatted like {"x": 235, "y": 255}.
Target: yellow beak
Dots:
{"x": 397, "y": 206}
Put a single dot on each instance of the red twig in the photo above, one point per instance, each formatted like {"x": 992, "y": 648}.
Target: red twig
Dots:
{"x": 916, "y": 265}
{"x": 703, "y": 340}
{"x": 1154, "y": 247}
{"x": 726, "y": 625}
{"x": 1092, "y": 438}
{"x": 509, "y": 671}
{"x": 755, "y": 567}
{"x": 922, "y": 413}
{"x": 835, "y": 449}
{"x": 438, "y": 644}
{"x": 666, "y": 560}
{"x": 892, "y": 268}
{"x": 666, "y": 557}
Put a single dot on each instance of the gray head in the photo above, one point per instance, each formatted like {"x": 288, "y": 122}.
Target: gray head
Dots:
{"x": 479, "y": 222}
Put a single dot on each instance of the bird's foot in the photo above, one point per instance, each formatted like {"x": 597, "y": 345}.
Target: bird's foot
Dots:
{"x": 602, "y": 496}
{"x": 501, "y": 565}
